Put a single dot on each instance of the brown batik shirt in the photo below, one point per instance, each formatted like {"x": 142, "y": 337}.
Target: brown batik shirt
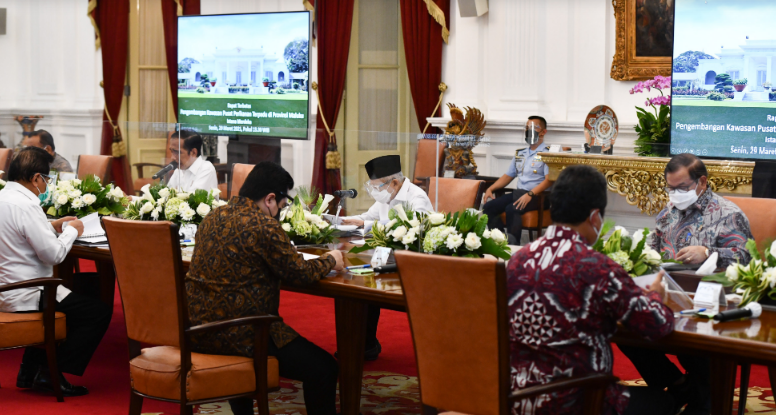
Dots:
{"x": 60, "y": 164}
{"x": 241, "y": 258}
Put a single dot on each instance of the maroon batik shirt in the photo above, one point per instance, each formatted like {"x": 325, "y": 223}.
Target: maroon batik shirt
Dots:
{"x": 565, "y": 300}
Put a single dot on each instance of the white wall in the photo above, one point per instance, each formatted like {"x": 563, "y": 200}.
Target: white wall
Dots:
{"x": 539, "y": 57}
{"x": 297, "y": 156}
{"x": 49, "y": 67}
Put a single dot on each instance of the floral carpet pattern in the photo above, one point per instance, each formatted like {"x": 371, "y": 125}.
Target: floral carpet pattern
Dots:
{"x": 758, "y": 401}
{"x": 386, "y": 393}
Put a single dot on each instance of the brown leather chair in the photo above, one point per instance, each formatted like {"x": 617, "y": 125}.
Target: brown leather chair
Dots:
{"x": 456, "y": 195}
{"x": 535, "y": 221}
{"x": 240, "y": 172}
{"x": 5, "y": 160}
{"x": 96, "y": 165}
{"x": 454, "y": 372}
{"x": 762, "y": 217}
{"x": 36, "y": 329}
{"x": 426, "y": 162}
{"x": 151, "y": 273}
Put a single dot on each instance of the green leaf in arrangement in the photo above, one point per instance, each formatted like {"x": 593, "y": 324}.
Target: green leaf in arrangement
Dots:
{"x": 639, "y": 249}
{"x": 751, "y": 246}
{"x": 719, "y": 278}
{"x": 607, "y": 226}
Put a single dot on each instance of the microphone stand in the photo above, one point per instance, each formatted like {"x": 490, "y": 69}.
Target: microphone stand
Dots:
{"x": 339, "y": 208}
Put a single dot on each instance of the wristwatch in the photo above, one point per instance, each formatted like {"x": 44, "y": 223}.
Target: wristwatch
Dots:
{"x": 707, "y": 252}
{"x": 531, "y": 193}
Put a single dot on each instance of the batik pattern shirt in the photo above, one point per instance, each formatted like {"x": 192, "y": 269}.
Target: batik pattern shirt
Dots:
{"x": 565, "y": 300}
{"x": 712, "y": 222}
{"x": 239, "y": 262}
{"x": 60, "y": 164}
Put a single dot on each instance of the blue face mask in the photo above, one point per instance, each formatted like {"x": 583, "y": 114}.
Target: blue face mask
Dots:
{"x": 43, "y": 197}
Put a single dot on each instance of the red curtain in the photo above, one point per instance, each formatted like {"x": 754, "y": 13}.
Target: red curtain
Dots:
{"x": 112, "y": 20}
{"x": 170, "y": 18}
{"x": 423, "y": 51}
{"x": 333, "y": 21}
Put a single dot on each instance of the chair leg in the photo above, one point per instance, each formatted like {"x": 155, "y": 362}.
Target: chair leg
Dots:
{"x": 262, "y": 401}
{"x": 187, "y": 409}
{"x": 743, "y": 389}
{"x": 135, "y": 403}
{"x": 51, "y": 354}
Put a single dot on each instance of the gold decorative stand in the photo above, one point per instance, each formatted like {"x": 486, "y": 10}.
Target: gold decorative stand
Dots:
{"x": 640, "y": 179}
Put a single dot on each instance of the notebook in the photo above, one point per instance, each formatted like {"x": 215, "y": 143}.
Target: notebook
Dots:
{"x": 93, "y": 232}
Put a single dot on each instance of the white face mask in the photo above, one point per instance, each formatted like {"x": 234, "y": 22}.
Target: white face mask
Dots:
{"x": 382, "y": 196}
{"x": 683, "y": 199}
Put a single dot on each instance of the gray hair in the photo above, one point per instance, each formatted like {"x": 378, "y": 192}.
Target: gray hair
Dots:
{"x": 398, "y": 176}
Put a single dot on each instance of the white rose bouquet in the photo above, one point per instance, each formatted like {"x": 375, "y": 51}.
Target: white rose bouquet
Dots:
{"x": 83, "y": 197}
{"x": 160, "y": 202}
{"x": 463, "y": 234}
{"x": 752, "y": 281}
{"x": 306, "y": 227}
{"x": 631, "y": 252}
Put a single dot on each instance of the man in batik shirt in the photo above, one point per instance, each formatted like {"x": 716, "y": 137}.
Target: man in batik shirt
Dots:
{"x": 565, "y": 300}
{"x": 241, "y": 258}
{"x": 696, "y": 222}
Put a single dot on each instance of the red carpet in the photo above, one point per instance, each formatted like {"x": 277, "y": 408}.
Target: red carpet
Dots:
{"x": 108, "y": 380}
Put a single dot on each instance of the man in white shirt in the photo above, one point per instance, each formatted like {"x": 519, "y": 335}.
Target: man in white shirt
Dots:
{"x": 388, "y": 186}
{"x": 29, "y": 248}
{"x": 193, "y": 171}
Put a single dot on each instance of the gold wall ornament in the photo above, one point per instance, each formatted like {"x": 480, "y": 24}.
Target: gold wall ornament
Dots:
{"x": 641, "y": 179}
{"x": 627, "y": 65}
{"x": 462, "y": 134}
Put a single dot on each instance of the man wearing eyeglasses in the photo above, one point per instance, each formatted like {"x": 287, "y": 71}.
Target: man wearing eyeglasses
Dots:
{"x": 388, "y": 187}
{"x": 29, "y": 248}
{"x": 697, "y": 222}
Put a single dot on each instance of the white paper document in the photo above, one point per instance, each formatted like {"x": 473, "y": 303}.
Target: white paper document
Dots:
{"x": 93, "y": 232}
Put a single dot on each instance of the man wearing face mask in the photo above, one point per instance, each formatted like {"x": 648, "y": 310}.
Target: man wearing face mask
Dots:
{"x": 696, "y": 222}
{"x": 388, "y": 187}
{"x": 566, "y": 300}
{"x": 241, "y": 258}
{"x": 532, "y": 179}
{"x": 193, "y": 171}
{"x": 29, "y": 248}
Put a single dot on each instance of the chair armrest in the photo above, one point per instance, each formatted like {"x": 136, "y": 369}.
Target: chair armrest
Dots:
{"x": 595, "y": 381}
{"x": 147, "y": 165}
{"x": 235, "y": 322}
{"x": 37, "y": 282}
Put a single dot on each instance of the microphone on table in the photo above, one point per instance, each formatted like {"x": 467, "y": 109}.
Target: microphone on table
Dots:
{"x": 352, "y": 193}
{"x": 751, "y": 310}
{"x": 166, "y": 169}
{"x": 386, "y": 268}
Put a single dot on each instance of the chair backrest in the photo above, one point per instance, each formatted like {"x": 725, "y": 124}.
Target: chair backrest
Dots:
{"x": 5, "y": 160}
{"x": 458, "y": 316}
{"x": 96, "y": 165}
{"x": 147, "y": 259}
{"x": 762, "y": 217}
{"x": 427, "y": 161}
{"x": 239, "y": 174}
{"x": 456, "y": 195}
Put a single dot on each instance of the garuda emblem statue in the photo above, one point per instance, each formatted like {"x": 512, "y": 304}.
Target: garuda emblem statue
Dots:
{"x": 462, "y": 134}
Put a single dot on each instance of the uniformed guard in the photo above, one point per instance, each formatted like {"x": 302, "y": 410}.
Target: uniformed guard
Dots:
{"x": 532, "y": 179}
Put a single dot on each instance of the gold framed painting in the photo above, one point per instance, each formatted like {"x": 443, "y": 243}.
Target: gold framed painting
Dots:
{"x": 644, "y": 39}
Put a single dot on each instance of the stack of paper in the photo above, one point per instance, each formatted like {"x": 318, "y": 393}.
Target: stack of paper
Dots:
{"x": 93, "y": 232}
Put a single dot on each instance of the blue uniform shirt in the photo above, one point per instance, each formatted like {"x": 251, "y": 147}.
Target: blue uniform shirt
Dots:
{"x": 529, "y": 171}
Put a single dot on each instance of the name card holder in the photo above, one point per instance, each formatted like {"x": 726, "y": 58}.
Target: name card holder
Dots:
{"x": 709, "y": 295}
{"x": 380, "y": 257}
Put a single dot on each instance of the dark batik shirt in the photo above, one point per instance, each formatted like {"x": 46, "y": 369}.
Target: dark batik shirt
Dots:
{"x": 713, "y": 222}
{"x": 239, "y": 262}
{"x": 60, "y": 164}
{"x": 565, "y": 300}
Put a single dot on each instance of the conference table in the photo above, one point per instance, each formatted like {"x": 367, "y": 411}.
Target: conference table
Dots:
{"x": 727, "y": 344}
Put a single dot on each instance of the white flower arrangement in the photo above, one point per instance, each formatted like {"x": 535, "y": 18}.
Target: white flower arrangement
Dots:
{"x": 82, "y": 197}
{"x": 630, "y": 252}
{"x": 461, "y": 234}
{"x": 163, "y": 203}
{"x": 304, "y": 226}
{"x": 754, "y": 280}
